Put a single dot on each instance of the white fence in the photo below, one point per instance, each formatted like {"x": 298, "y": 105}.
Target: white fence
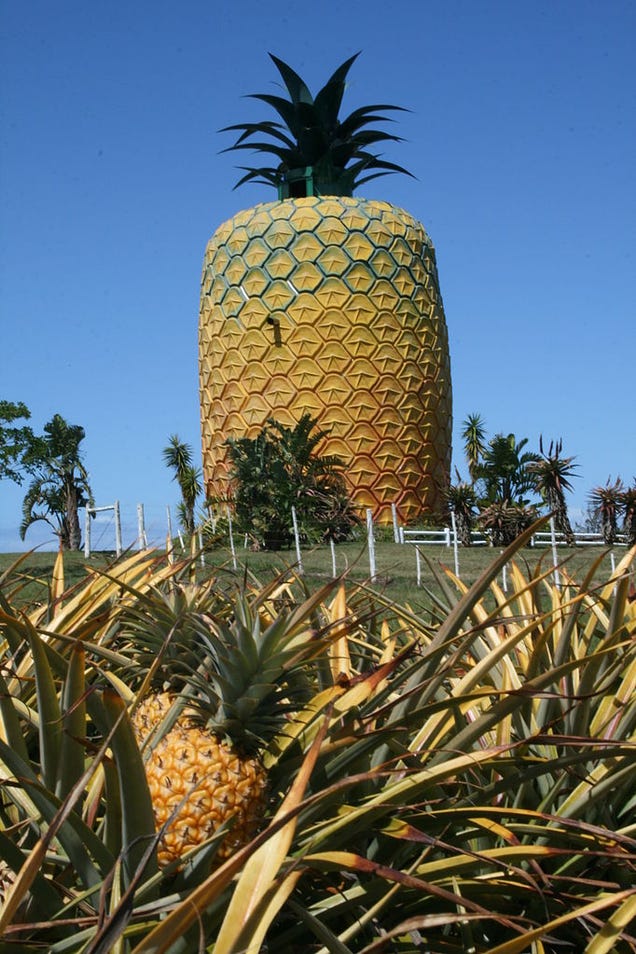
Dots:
{"x": 445, "y": 538}
{"x": 92, "y": 512}
{"x": 544, "y": 539}
{"x": 109, "y": 534}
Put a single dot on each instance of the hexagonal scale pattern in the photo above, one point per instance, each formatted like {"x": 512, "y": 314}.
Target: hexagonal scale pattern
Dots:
{"x": 330, "y": 305}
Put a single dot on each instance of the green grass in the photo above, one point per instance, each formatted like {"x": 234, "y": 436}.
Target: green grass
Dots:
{"x": 395, "y": 565}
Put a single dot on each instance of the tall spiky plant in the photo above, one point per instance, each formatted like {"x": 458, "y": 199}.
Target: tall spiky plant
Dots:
{"x": 462, "y": 500}
{"x": 606, "y": 504}
{"x": 629, "y": 514}
{"x": 177, "y": 455}
{"x": 552, "y": 474}
{"x": 473, "y": 434}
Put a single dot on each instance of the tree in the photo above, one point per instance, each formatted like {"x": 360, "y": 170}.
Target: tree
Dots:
{"x": 279, "y": 469}
{"x": 606, "y": 502}
{"x": 59, "y": 485}
{"x": 462, "y": 500}
{"x": 14, "y": 441}
{"x": 474, "y": 437}
{"x": 552, "y": 473}
{"x": 504, "y": 471}
{"x": 178, "y": 457}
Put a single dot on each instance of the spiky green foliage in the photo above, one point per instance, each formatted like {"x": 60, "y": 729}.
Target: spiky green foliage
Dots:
{"x": 629, "y": 514}
{"x": 503, "y": 473}
{"x": 606, "y": 503}
{"x": 282, "y": 468}
{"x": 473, "y": 434}
{"x": 312, "y": 141}
{"x": 461, "y": 499}
{"x": 177, "y": 456}
{"x": 457, "y": 780}
{"x": 552, "y": 473}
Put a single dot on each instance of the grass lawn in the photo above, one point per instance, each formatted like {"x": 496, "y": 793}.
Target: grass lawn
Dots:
{"x": 395, "y": 566}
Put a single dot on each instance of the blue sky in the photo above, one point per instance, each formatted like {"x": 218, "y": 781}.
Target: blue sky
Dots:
{"x": 521, "y": 135}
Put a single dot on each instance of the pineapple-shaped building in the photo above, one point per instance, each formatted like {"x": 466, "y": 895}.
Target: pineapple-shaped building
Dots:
{"x": 327, "y": 303}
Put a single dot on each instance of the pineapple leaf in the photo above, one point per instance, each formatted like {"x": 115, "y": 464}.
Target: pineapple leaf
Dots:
{"x": 72, "y": 750}
{"x": 77, "y": 839}
{"x": 138, "y": 822}
{"x": 10, "y": 722}
{"x": 50, "y": 725}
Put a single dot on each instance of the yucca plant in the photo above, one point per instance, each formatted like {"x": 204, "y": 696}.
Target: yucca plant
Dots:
{"x": 460, "y": 782}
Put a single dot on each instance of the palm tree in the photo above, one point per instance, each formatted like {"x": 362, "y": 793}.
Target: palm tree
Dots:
{"x": 606, "y": 502}
{"x": 474, "y": 437}
{"x": 552, "y": 473}
{"x": 462, "y": 500}
{"x": 504, "y": 470}
{"x": 178, "y": 457}
{"x": 60, "y": 483}
{"x": 279, "y": 469}
{"x": 317, "y": 153}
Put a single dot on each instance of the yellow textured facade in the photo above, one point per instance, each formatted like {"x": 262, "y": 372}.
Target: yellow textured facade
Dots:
{"x": 330, "y": 305}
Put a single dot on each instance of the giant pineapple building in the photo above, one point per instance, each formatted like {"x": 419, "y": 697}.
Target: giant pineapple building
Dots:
{"x": 327, "y": 303}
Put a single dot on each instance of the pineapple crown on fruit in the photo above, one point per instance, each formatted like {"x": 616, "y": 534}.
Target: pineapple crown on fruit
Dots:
{"x": 226, "y": 662}
{"x": 317, "y": 153}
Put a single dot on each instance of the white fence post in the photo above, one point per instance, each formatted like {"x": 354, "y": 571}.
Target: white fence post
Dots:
{"x": 396, "y": 526}
{"x": 418, "y": 565}
{"x": 334, "y": 570}
{"x": 169, "y": 518}
{"x": 90, "y": 512}
{"x": 555, "y": 558}
{"x": 371, "y": 544}
{"x": 299, "y": 559}
{"x": 142, "y": 541}
{"x": 229, "y": 525}
{"x": 455, "y": 547}
{"x": 118, "y": 546}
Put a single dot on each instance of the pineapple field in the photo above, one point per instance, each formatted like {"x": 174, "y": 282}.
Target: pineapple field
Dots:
{"x": 201, "y": 760}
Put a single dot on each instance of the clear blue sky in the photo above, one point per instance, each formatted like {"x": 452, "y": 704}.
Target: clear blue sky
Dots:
{"x": 522, "y": 138}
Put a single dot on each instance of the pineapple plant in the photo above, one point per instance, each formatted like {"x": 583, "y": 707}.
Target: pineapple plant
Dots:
{"x": 327, "y": 304}
{"x": 461, "y": 780}
{"x": 219, "y": 690}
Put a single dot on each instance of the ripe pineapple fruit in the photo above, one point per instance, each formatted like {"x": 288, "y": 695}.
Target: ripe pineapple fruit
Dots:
{"x": 204, "y": 726}
{"x": 329, "y": 304}
{"x": 198, "y": 781}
